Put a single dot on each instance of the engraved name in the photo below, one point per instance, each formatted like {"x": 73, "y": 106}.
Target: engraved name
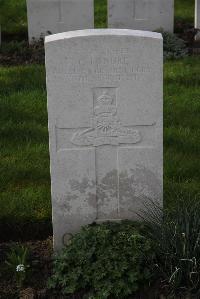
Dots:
{"x": 111, "y": 68}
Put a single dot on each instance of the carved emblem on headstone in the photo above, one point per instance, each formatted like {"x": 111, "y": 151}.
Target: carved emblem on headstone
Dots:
{"x": 106, "y": 126}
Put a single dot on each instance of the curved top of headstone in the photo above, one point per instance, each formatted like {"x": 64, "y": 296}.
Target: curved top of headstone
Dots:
{"x": 102, "y": 32}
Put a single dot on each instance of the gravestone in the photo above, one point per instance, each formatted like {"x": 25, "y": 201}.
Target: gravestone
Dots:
{"x": 105, "y": 111}
{"x": 53, "y": 16}
{"x": 141, "y": 14}
{"x": 197, "y": 18}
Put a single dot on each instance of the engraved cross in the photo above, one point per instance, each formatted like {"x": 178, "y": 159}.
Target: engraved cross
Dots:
{"x": 107, "y": 134}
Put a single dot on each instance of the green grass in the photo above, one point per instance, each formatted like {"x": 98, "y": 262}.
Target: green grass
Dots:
{"x": 15, "y": 12}
{"x": 184, "y": 11}
{"x": 100, "y": 14}
{"x": 181, "y": 128}
{"x": 13, "y": 16}
{"x": 24, "y": 158}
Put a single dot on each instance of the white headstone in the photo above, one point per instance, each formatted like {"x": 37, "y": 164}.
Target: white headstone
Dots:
{"x": 141, "y": 14}
{"x": 54, "y": 16}
{"x": 197, "y": 17}
{"x": 105, "y": 110}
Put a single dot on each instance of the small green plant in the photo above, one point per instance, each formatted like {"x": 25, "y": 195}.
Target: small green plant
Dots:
{"x": 17, "y": 262}
{"x": 111, "y": 259}
{"x": 176, "y": 233}
{"x": 173, "y": 46}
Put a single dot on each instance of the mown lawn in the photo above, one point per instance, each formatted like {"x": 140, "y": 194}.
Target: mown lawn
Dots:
{"x": 25, "y": 205}
{"x": 24, "y": 157}
{"x": 184, "y": 11}
{"x": 182, "y": 129}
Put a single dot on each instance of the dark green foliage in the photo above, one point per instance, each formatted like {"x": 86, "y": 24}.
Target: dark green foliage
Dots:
{"x": 176, "y": 233}
{"x": 107, "y": 259}
{"x": 173, "y": 46}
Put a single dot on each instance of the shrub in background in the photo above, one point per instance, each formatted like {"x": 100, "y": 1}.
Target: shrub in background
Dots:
{"x": 176, "y": 234}
{"x": 107, "y": 259}
{"x": 173, "y": 46}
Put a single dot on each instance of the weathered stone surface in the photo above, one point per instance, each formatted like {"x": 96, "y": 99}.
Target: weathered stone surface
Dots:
{"x": 141, "y": 14}
{"x": 197, "y": 17}
{"x": 105, "y": 114}
{"x": 54, "y": 16}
